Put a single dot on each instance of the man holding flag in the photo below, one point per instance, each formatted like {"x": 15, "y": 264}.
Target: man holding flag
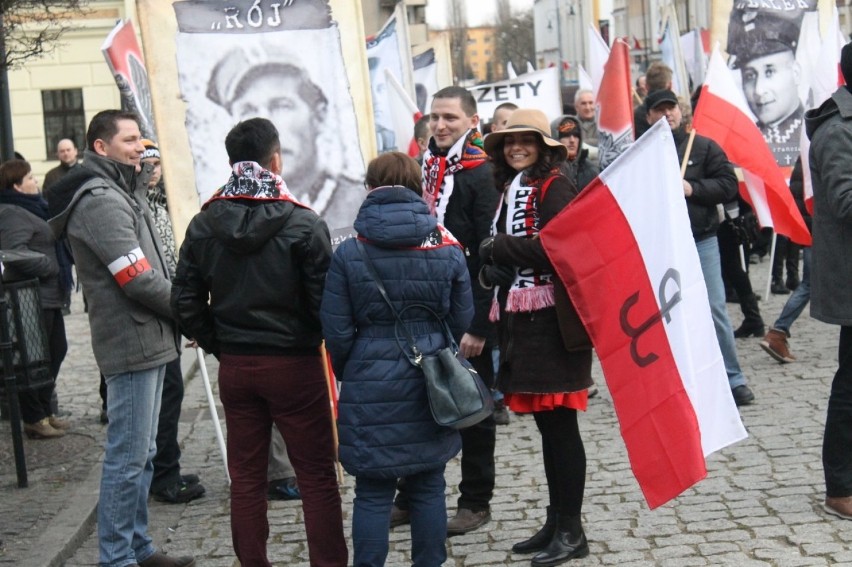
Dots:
{"x": 708, "y": 181}
{"x": 829, "y": 128}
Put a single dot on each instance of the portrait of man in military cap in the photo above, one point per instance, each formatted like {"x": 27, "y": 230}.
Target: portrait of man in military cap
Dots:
{"x": 279, "y": 75}
{"x": 762, "y": 45}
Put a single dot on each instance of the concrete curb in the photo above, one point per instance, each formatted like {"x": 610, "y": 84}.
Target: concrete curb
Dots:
{"x": 71, "y": 526}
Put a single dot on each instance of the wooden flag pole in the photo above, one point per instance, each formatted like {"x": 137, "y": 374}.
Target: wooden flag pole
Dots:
{"x": 688, "y": 151}
{"x": 329, "y": 382}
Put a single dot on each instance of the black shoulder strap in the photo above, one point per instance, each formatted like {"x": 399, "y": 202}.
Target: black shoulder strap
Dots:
{"x": 417, "y": 355}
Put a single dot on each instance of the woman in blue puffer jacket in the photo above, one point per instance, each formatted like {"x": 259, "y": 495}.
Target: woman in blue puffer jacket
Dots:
{"x": 386, "y": 429}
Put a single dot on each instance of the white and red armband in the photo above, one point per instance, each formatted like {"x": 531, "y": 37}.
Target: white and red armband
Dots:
{"x": 129, "y": 266}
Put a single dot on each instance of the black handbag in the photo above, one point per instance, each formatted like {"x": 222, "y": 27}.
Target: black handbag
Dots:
{"x": 458, "y": 398}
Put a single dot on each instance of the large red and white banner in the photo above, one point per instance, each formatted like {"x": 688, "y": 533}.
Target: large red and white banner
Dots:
{"x": 124, "y": 57}
{"x": 625, "y": 253}
{"x": 614, "y": 102}
{"x": 722, "y": 116}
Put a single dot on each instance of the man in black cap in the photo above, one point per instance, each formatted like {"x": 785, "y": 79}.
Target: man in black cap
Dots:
{"x": 709, "y": 181}
{"x": 764, "y": 46}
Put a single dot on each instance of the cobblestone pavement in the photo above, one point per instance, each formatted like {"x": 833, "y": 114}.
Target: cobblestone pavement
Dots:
{"x": 759, "y": 506}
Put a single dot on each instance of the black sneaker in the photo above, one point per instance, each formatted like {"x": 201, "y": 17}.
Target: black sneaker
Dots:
{"x": 179, "y": 493}
{"x": 743, "y": 395}
{"x": 284, "y": 489}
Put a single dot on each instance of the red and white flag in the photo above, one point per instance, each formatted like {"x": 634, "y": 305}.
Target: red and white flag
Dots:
{"x": 124, "y": 57}
{"x": 721, "y": 115}
{"x": 825, "y": 78}
{"x": 598, "y": 55}
{"x": 626, "y": 255}
{"x": 614, "y": 102}
{"x": 405, "y": 115}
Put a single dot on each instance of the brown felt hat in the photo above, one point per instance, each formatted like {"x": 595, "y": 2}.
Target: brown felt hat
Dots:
{"x": 525, "y": 120}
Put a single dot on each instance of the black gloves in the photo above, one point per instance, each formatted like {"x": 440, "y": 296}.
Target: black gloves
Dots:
{"x": 491, "y": 274}
{"x": 496, "y": 275}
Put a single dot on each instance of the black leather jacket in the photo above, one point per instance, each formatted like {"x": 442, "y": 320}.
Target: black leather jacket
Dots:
{"x": 713, "y": 182}
{"x": 250, "y": 278}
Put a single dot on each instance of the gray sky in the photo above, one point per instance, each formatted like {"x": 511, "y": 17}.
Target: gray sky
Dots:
{"x": 479, "y": 12}
{"x": 482, "y": 12}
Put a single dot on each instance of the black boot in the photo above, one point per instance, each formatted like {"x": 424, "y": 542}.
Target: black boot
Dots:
{"x": 569, "y": 542}
{"x": 540, "y": 540}
{"x": 753, "y": 323}
{"x": 778, "y": 287}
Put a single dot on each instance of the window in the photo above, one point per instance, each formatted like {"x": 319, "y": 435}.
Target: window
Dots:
{"x": 473, "y": 52}
{"x": 64, "y": 117}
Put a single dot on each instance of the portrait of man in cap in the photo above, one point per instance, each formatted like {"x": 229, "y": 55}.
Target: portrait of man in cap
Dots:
{"x": 302, "y": 90}
{"x": 762, "y": 45}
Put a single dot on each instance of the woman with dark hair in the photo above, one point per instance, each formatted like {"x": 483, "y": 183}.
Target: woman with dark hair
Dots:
{"x": 23, "y": 226}
{"x": 545, "y": 354}
{"x": 386, "y": 429}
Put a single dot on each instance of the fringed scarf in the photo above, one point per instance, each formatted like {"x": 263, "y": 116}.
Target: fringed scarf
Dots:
{"x": 251, "y": 181}
{"x": 438, "y": 170}
{"x": 531, "y": 290}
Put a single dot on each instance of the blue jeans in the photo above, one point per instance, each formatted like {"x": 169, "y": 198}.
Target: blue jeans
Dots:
{"x": 800, "y": 298}
{"x": 133, "y": 402}
{"x": 371, "y": 518}
{"x": 711, "y": 266}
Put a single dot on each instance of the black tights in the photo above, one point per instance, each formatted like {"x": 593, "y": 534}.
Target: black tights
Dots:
{"x": 564, "y": 459}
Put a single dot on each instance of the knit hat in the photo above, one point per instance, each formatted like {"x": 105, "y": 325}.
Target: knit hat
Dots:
{"x": 151, "y": 149}
{"x": 525, "y": 120}
{"x": 569, "y": 126}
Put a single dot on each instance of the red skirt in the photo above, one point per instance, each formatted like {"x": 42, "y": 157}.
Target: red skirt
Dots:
{"x": 528, "y": 403}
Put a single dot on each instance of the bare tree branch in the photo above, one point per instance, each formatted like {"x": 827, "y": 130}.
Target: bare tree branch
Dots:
{"x": 457, "y": 24}
{"x": 33, "y": 28}
{"x": 515, "y": 38}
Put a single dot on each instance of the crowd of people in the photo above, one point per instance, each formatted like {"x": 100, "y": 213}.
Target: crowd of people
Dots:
{"x": 442, "y": 234}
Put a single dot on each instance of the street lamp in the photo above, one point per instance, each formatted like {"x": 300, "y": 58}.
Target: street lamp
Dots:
{"x": 575, "y": 11}
{"x": 558, "y": 40}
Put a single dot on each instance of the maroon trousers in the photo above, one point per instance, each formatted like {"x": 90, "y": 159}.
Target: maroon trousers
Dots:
{"x": 291, "y": 392}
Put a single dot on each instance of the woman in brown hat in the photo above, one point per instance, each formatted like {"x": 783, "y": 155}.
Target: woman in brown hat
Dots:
{"x": 545, "y": 355}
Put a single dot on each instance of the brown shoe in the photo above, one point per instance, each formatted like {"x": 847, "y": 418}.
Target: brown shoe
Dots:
{"x": 775, "y": 344}
{"x": 42, "y": 430}
{"x": 467, "y": 520}
{"x": 840, "y": 506}
{"x": 160, "y": 559}
{"x": 59, "y": 423}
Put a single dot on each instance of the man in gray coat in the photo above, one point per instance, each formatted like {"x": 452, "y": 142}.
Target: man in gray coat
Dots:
{"x": 103, "y": 211}
{"x": 829, "y": 128}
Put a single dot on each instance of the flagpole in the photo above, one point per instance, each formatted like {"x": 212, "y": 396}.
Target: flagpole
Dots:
{"x": 688, "y": 151}
{"x": 213, "y": 413}
{"x": 771, "y": 262}
{"x": 330, "y": 385}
